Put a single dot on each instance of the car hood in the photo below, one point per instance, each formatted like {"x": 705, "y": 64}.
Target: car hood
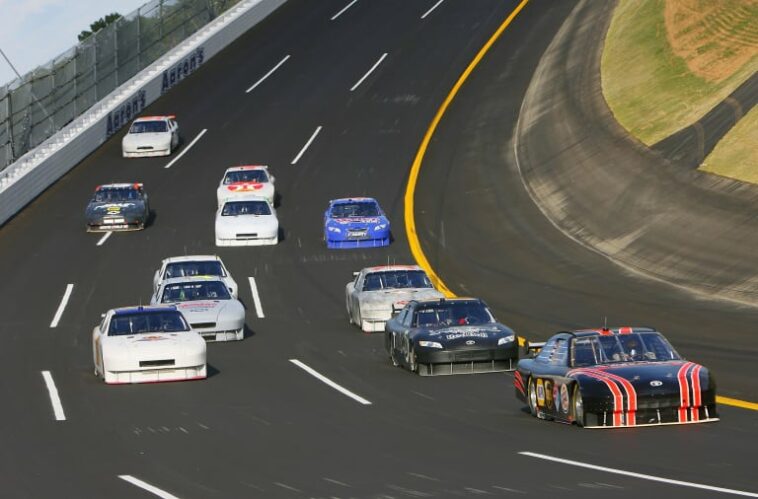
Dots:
{"x": 152, "y": 343}
{"x": 384, "y": 298}
{"x": 481, "y": 335}
{"x": 247, "y": 223}
{"x": 146, "y": 139}
{"x": 356, "y": 222}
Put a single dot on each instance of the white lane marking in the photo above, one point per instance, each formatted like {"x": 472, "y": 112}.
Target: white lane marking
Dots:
{"x": 184, "y": 151}
{"x": 54, "y": 397}
{"x": 640, "y": 475}
{"x": 146, "y": 486}
{"x": 256, "y": 298}
{"x": 62, "y": 306}
{"x": 433, "y": 7}
{"x": 267, "y": 74}
{"x": 329, "y": 382}
{"x": 335, "y": 16}
{"x": 369, "y": 72}
{"x": 307, "y": 145}
{"x": 104, "y": 238}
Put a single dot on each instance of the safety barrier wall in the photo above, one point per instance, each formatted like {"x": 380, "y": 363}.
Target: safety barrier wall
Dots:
{"x": 34, "y": 172}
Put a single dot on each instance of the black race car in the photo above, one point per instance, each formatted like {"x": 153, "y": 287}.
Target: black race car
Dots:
{"x": 450, "y": 336}
{"x": 628, "y": 376}
{"x": 117, "y": 207}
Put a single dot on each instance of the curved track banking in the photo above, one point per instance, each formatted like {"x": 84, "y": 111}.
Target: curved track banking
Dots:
{"x": 260, "y": 426}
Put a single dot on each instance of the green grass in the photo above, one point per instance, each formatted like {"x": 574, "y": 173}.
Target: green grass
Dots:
{"x": 736, "y": 155}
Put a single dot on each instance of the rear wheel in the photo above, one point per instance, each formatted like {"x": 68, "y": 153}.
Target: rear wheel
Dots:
{"x": 532, "y": 396}
{"x": 578, "y": 406}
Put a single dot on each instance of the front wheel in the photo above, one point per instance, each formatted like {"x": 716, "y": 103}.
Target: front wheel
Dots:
{"x": 411, "y": 359}
{"x": 578, "y": 406}
{"x": 532, "y": 396}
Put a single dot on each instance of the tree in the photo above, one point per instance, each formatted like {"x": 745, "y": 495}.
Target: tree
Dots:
{"x": 98, "y": 25}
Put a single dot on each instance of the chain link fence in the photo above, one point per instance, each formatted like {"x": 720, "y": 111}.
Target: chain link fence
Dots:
{"x": 49, "y": 97}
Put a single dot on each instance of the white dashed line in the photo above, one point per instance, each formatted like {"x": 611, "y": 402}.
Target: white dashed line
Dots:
{"x": 256, "y": 298}
{"x": 267, "y": 74}
{"x": 307, "y": 145}
{"x": 335, "y": 16}
{"x": 640, "y": 475}
{"x": 62, "y": 306}
{"x": 54, "y": 397}
{"x": 104, "y": 238}
{"x": 146, "y": 486}
{"x": 369, "y": 72}
{"x": 329, "y": 382}
{"x": 433, "y": 7}
{"x": 184, "y": 151}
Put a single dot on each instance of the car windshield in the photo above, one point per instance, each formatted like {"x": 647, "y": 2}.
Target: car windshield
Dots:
{"x": 608, "y": 349}
{"x": 186, "y": 269}
{"x": 164, "y": 321}
{"x": 112, "y": 195}
{"x": 193, "y": 291}
{"x": 355, "y": 209}
{"x": 234, "y": 208}
{"x": 258, "y": 176}
{"x": 157, "y": 126}
{"x": 396, "y": 279}
{"x": 447, "y": 313}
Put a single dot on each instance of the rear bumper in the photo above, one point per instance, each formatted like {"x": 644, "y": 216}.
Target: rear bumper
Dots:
{"x": 357, "y": 243}
{"x": 156, "y": 375}
{"x": 125, "y": 227}
{"x": 651, "y": 415}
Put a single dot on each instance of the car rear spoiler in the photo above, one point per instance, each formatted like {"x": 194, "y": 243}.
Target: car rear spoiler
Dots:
{"x": 535, "y": 346}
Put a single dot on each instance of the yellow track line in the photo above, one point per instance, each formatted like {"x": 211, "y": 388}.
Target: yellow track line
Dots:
{"x": 410, "y": 190}
{"x": 410, "y": 221}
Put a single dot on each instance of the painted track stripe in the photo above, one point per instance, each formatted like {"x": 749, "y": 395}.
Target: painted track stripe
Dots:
{"x": 189, "y": 146}
{"x": 742, "y": 404}
{"x": 376, "y": 64}
{"x": 256, "y": 298}
{"x": 642, "y": 476}
{"x": 267, "y": 74}
{"x": 62, "y": 305}
{"x": 335, "y": 16}
{"x": 410, "y": 220}
{"x": 55, "y": 399}
{"x": 307, "y": 145}
{"x": 329, "y": 382}
{"x": 104, "y": 238}
{"x": 433, "y": 7}
{"x": 146, "y": 486}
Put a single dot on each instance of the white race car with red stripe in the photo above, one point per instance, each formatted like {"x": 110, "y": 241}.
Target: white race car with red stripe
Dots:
{"x": 246, "y": 180}
{"x": 628, "y": 376}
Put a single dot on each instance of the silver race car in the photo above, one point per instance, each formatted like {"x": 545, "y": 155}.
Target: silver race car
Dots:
{"x": 375, "y": 291}
{"x": 194, "y": 265}
{"x": 151, "y": 136}
{"x": 207, "y": 304}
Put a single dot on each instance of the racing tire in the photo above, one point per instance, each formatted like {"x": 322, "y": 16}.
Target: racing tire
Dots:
{"x": 531, "y": 396}
{"x": 411, "y": 359}
{"x": 577, "y": 406}
{"x": 349, "y": 314}
{"x": 395, "y": 363}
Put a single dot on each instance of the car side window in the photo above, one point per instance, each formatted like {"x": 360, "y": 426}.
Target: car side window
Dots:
{"x": 409, "y": 312}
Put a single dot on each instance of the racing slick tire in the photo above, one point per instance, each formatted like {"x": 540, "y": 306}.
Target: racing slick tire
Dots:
{"x": 577, "y": 406}
{"x": 531, "y": 396}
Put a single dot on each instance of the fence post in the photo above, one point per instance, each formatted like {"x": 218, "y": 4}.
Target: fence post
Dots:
{"x": 115, "y": 50}
{"x": 139, "y": 40}
{"x": 94, "y": 63}
{"x": 11, "y": 143}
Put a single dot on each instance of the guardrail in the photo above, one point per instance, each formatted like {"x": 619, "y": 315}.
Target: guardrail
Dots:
{"x": 38, "y": 169}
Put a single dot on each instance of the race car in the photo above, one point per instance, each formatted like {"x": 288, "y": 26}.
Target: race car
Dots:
{"x": 376, "y": 291}
{"x": 450, "y": 336}
{"x": 355, "y": 223}
{"x": 117, "y": 207}
{"x": 241, "y": 180}
{"x": 194, "y": 265}
{"x": 620, "y": 377}
{"x": 246, "y": 221}
{"x": 151, "y": 136}
{"x": 147, "y": 345}
{"x": 207, "y": 305}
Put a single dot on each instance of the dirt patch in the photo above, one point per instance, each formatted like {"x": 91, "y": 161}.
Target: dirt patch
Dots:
{"x": 714, "y": 37}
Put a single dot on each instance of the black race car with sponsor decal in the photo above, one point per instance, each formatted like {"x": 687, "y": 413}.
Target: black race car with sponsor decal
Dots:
{"x": 628, "y": 376}
{"x": 450, "y": 336}
{"x": 117, "y": 207}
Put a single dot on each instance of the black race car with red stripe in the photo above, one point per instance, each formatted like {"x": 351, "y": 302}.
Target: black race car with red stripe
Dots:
{"x": 629, "y": 376}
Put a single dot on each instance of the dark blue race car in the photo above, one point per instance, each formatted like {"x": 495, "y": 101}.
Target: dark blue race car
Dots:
{"x": 355, "y": 223}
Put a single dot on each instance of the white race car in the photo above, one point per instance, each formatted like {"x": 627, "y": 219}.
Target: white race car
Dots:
{"x": 241, "y": 180}
{"x": 246, "y": 221}
{"x": 151, "y": 136}
{"x": 376, "y": 291}
{"x": 207, "y": 304}
{"x": 194, "y": 265}
{"x": 147, "y": 345}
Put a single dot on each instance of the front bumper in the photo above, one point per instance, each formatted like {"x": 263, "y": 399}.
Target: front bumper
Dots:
{"x": 122, "y": 225}
{"x": 435, "y": 362}
{"x": 249, "y": 241}
{"x": 222, "y": 335}
{"x": 145, "y": 153}
{"x": 156, "y": 375}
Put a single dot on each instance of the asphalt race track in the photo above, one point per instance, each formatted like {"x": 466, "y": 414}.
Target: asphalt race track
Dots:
{"x": 260, "y": 426}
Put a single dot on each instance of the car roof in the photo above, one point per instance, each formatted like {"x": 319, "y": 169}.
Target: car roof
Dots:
{"x": 191, "y": 258}
{"x": 122, "y": 185}
{"x": 246, "y": 168}
{"x": 155, "y": 118}
{"x": 351, "y": 200}
{"x": 611, "y": 331}
{"x": 143, "y": 308}
{"x": 388, "y": 268}
{"x": 192, "y": 278}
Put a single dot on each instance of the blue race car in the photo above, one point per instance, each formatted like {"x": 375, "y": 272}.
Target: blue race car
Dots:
{"x": 355, "y": 223}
